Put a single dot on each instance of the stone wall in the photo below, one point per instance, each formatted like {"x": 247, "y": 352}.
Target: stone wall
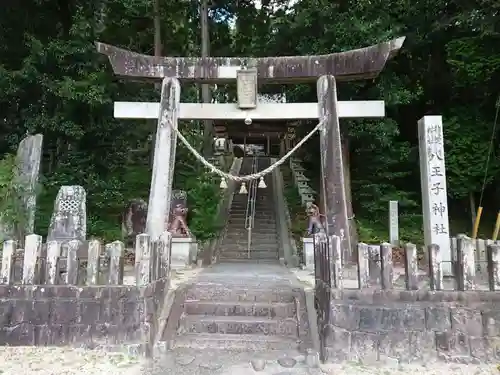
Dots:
{"x": 111, "y": 315}
{"x": 389, "y": 325}
{"x": 83, "y": 302}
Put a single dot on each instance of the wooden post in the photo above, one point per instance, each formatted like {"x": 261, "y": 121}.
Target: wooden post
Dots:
{"x": 363, "y": 266}
{"x": 333, "y": 201}
{"x": 143, "y": 259}
{"x": 386, "y": 265}
{"x": 32, "y": 250}
{"x": 115, "y": 250}
{"x": 93, "y": 262}
{"x": 411, "y": 266}
{"x": 8, "y": 261}
{"x": 164, "y": 159}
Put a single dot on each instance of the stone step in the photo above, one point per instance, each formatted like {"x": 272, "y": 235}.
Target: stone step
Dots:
{"x": 238, "y": 325}
{"x": 256, "y": 219}
{"x": 258, "y": 213}
{"x": 244, "y": 255}
{"x": 241, "y": 232}
{"x": 254, "y": 245}
{"x": 257, "y": 309}
{"x": 259, "y": 237}
{"x": 257, "y": 223}
{"x": 235, "y": 342}
{"x": 242, "y": 221}
{"x": 235, "y": 248}
{"x": 255, "y": 249}
{"x": 243, "y": 215}
{"x": 255, "y": 238}
{"x": 216, "y": 292}
{"x": 250, "y": 261}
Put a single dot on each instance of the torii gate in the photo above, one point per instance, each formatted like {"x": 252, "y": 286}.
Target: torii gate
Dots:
{"x": 360, "y": 64}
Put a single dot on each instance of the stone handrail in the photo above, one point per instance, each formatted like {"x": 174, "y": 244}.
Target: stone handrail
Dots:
{"x": 210, "y": 252}
{"x": 307, "y": 194}
{"x": 289, "y": 253}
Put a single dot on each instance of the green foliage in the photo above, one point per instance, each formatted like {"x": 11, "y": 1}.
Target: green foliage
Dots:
{"x": 53, "y": 82}
{"x": 204, "y": 193}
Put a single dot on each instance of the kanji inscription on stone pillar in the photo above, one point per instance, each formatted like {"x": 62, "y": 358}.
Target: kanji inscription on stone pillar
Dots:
{"x": 433, "y": 181}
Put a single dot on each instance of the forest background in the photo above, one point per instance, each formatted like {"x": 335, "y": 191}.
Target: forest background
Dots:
{"x": 52, "y": 81}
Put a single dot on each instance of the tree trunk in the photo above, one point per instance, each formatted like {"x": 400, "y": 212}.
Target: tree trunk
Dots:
{"x": 157, "y": 29}
{"x": 205, "y": 89}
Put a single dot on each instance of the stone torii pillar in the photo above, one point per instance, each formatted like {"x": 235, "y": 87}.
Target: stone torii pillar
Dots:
{"x": 164, "y": 159}
{"x": 333, "y": 193}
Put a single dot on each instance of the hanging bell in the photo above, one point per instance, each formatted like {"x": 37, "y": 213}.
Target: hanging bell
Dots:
{"x": 223, "y": 184}
{"x": 262, "y": 183}
{"x": 243, "y": 188}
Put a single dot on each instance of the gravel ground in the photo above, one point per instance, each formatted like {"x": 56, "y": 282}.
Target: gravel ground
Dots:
{"x": 67, "y": 361}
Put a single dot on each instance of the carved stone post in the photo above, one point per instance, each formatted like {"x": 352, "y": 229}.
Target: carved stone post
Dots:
{"x": 333, "y": 194}
{"x": 29, "y": 155}
{"x": 164, "y": 159}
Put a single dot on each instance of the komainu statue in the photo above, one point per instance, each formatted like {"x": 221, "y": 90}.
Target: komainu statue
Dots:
{"x": 134, "y": 219}
{"x": 315, "y": 222}
{"x": 178, "y": 223}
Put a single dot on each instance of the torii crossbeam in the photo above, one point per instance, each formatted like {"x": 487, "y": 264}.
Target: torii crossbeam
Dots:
{"x": 359, "y": 64}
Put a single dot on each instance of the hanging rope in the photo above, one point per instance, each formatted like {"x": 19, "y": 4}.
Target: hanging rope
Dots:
{"x": 250, "y": 177}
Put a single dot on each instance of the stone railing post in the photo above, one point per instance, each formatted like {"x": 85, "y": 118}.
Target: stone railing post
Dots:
{"x": 143, "y": 259}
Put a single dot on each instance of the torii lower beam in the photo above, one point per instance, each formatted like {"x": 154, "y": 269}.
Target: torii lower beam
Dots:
{"x": 264, "y": 111}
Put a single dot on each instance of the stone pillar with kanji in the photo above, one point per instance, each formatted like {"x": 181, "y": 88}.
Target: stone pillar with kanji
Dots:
{"x": 433, "y": 182}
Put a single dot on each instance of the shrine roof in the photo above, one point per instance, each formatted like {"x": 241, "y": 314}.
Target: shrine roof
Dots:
{"x": 358, "y": 64}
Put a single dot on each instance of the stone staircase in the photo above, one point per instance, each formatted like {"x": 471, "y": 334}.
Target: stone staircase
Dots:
{"x": 264, "y": 243}
{"x": 243, "y": 306}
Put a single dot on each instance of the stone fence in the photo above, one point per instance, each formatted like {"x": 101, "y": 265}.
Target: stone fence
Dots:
{"x": 480, "y": 254}
{"x": 83, "y": 263}
{"x": 373, "y": 259}
{"x": 408, "y": 310}
{"x": 72, "y": 293}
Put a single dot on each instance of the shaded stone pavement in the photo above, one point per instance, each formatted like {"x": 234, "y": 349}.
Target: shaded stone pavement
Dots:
{"x": 216, "y": 362}
{"x": 243, "y": 273}
{"x": 212, "y": 362}
{"x": 206, "y": 362}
